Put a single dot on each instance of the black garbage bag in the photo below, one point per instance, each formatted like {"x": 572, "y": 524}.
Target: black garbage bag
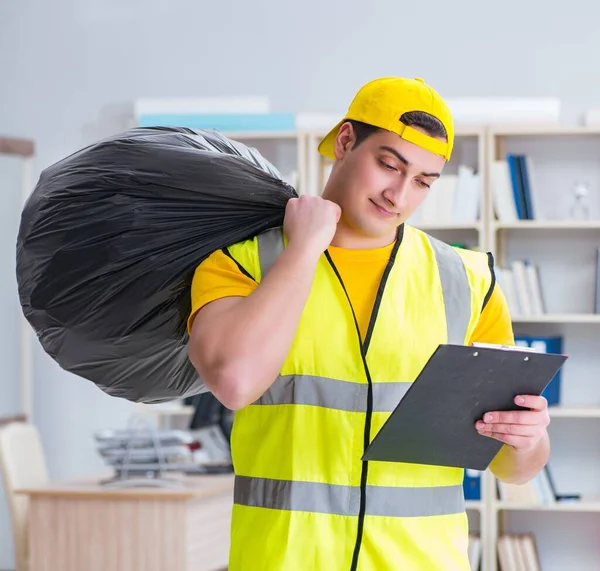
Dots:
{"x": 108, "y": 244}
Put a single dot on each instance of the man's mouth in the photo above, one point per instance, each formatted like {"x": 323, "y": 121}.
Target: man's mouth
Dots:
{"x": 383, "y": 211}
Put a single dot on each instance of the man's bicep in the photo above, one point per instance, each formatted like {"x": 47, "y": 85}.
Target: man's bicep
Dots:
{"x": 215, "y": 278}
{"x": 495, "y": 323}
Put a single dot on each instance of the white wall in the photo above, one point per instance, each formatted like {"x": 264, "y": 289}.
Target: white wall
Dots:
{"x": 62, "y": 63}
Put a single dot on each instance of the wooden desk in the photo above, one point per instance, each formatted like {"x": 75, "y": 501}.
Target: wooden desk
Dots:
{"x": 81, "y": 526}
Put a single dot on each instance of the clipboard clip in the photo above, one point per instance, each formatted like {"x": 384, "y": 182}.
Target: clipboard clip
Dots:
{"x": 506, "y": 347}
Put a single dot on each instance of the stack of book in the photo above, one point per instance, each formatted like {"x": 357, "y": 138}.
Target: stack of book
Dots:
{"x": 474, "y": 551}
{"x": 453, "y": 199}
{"x": 513, "y": 192}
{"x": 521, "y": 284}
{"x": 518, "y": 552}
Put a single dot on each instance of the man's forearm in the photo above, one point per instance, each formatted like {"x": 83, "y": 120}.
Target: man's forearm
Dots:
{"x": 520, "y": 466}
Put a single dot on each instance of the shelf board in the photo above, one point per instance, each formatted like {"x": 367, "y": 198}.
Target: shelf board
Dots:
{"x": 558, "y": 318}
{"x": 548, "y": 225}
{"x": 574, "y": 411}
{"x": 474, "y": 505}
{"x": 543, "y": 129}
{"x": 575, "y": 506}
{"x": 449, "y": 226}
{"x": 266, "y": 135}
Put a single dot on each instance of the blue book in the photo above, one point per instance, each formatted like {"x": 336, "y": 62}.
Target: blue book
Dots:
{"x": 517, "y": 185}
{"x": 526, "y": 186}
{"x": 553, "y": 344}
{"x": 472, "y": 485}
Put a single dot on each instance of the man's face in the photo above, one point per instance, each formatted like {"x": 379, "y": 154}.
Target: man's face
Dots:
{"x": 381, "y": 182}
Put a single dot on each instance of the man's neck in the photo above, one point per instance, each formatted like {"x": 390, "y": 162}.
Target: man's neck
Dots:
{"x": 349, "y": 239}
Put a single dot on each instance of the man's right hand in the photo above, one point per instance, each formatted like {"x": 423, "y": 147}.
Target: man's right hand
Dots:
{"x": 310, "y": 222}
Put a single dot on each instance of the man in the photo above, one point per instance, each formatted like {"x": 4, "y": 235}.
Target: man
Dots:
{"x": 314, "y": 344}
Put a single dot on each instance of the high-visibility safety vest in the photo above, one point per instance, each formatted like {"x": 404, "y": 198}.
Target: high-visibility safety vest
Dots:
{"x": 303, "y": 498}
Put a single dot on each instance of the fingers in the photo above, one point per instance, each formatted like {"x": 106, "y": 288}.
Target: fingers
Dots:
{"x": 520, "y": 429}
{"x": 338, "y": 212}
{"x": 529, "y": 430}
{"x": 532, "y": 402}
{"x": 513, "y": 417}
{"x": 538, "y": 409}
{"x": 519, "y": 436}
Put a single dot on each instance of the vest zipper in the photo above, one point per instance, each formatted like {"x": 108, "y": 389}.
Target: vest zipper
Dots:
{"x": 364, "y": 346}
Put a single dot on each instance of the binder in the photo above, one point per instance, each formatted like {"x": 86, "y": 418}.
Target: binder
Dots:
{"x": 549, "y": 344}
{"x": 434, "y": 423}
{"x": 472, "y": 485}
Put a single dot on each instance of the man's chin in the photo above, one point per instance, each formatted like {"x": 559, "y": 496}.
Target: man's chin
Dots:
{"x": 378, "y": 231}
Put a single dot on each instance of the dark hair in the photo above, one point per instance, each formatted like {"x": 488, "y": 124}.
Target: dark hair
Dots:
{"x": 430, "y": 124}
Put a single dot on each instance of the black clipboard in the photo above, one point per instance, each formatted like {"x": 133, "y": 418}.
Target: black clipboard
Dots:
{"x": 434, "y": 423}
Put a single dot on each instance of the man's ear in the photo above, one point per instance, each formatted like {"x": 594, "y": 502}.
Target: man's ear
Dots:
{"x": 344, "y": 141}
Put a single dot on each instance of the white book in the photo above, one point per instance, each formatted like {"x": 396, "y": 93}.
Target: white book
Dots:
{"x": 438, "y": 206}
{"x": 536, "y": 202}
{"x": 520, "y": 556}
{"x": 474, "y": 551}
{"x": 506, "y": 281}
{"x": 502, "y": 192}
{"x": 528, "y": 547}
{"x": 519, "y": 273}
{"x": 506, "y": 554}
{"x": 467, "y": 200}
{"x": 534, "y": 289}
{"x": 547, "y": 493}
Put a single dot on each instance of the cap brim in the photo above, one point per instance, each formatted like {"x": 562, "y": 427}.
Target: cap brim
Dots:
{"x": 327, "y": 144}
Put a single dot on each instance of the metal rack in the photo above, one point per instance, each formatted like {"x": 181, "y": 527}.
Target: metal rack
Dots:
{"x": 143, "y": 455}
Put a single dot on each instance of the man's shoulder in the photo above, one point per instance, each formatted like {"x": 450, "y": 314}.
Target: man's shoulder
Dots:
{"x": 226, "y": 256}
{"x": 220, "y": 275}
{"x": 495, "y": 322}
{"x": 475, "y": 260}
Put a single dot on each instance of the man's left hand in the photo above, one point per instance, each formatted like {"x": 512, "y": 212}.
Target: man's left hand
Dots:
{"x": 521, "y": 429}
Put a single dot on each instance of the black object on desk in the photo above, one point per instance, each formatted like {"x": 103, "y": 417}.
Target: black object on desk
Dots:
{"x": 434, "y": 423}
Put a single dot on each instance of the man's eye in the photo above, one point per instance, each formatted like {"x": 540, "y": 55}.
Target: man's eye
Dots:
{"x": 387, "y": 166}
{"x": 423, "y": 184}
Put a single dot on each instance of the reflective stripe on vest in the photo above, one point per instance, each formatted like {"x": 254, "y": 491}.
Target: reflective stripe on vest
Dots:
{"x": 456, "y": 290}
{"x": 345, "y": 500}
{"x": 333, "y": 393}
{"x": 270, "y": 245}
{"x": 453, "y": 277}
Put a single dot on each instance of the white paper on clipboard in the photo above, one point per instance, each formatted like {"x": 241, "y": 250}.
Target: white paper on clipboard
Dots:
{"x": 506, "y": 347}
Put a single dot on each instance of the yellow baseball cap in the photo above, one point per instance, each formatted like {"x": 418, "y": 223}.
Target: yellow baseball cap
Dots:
{"x": 383, "y": 101}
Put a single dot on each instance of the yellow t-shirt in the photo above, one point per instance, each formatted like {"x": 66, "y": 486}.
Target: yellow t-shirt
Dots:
{"x": 361, "y": 270}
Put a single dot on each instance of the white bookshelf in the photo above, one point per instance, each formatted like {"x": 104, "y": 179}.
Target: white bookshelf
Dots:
{"x": 564, "y": 252}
